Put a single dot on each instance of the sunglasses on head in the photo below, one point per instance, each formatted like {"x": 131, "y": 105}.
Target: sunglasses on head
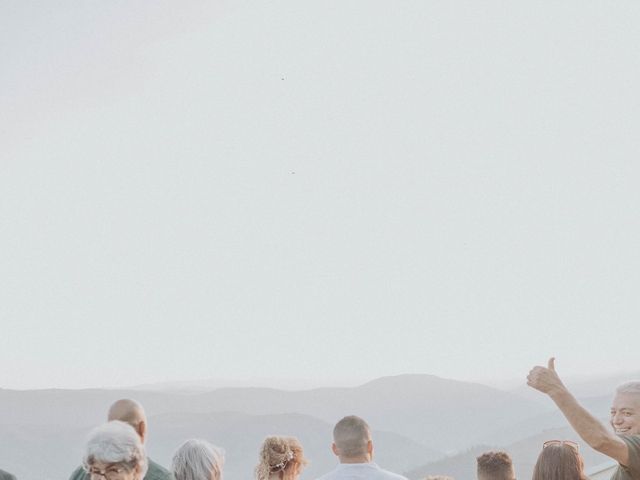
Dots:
{"x": 569, "y": 443}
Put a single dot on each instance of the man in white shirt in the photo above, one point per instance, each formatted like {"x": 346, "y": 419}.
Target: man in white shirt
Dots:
{"x": 353, "y": 446}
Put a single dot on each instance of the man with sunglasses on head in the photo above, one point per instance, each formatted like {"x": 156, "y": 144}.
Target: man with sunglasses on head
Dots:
{"x": 623, "y": 444}
{"x": 131, "y": 412}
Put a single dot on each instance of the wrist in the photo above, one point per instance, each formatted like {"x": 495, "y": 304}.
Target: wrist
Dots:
{"x": 559, "y": 393}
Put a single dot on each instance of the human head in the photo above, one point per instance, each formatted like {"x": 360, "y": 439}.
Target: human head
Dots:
{"x": 559, "y": 462}
{"x": 115, "y": 446}
{"x": 281, "y": 457}
{"x": 352, "y": 440}
{"x": 197, "y": 459}
{"x": 131, "y": 412}
{"x": 625, "y": 410}
{"x": 495, "y": 465}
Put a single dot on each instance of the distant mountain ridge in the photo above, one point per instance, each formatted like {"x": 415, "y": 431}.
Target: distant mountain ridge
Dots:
{"x": 428, "y": 409}
{"x": 414, "y": 417}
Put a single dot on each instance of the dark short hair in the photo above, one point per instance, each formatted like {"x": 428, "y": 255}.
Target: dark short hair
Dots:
{"x": 496, "y": 465}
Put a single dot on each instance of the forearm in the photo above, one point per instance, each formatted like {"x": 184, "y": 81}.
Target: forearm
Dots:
{"x": 590, "y": 429}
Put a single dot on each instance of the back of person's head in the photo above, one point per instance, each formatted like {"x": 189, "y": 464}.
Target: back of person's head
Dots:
{"x": 352, "y": 438}
{"x": 559, "y": 461}
{"x": 131, "y": 412}
{"x": 280, "y": 456}
{"x": 495, "y": 465}
{"x": 197, "y": 459}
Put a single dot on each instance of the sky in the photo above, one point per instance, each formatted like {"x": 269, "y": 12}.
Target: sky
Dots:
{"x": 319, "y": 192}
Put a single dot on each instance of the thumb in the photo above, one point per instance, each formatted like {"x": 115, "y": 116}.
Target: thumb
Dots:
{"x": 552, "y": 364}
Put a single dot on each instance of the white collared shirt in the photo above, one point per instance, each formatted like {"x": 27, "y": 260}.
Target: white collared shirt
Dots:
{"x": 360, "y": 471}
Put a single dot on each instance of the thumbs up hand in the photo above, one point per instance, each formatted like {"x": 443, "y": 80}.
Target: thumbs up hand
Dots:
{"x": 545, "y": 379}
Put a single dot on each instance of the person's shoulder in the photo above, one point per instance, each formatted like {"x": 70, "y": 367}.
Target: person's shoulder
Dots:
{"x": 633, "y": 444}
{"x": 390, "y": 475}
{"x": 635, "y": 439}
{"x": 79, "y": 474}
{"x": 157, "y": 472}
{"x": 632, "y": 468}
{"x": 6, "y": 475}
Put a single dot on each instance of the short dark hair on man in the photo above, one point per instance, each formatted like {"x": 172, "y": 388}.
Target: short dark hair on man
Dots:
{"x": 495, "y": 465}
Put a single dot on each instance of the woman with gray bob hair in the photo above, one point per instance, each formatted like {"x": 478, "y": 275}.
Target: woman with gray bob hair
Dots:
{"x": 197, "y": 460}
{"x": 114, "y": 451}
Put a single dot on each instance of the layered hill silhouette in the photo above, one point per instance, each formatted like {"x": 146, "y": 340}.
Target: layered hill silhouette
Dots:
{"x": 415, "y": 418}
{"x": 421, "y": 424}
{"x": 428, "y": 409}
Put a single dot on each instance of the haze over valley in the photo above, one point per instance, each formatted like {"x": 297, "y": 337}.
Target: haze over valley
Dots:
{"x": 422, "y": 423}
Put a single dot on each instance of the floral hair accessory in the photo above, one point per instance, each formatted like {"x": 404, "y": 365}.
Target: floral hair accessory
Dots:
{"x": 281, "y": 466}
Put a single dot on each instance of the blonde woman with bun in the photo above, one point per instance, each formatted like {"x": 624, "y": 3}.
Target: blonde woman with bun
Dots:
{"x": 280, "y": 458}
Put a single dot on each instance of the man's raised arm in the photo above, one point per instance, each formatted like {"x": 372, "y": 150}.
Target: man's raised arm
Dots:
{"x": 590, "y": 429}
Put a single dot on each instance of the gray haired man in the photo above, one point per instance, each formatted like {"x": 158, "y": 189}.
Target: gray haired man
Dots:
{"x": 623, "y": 444}
{"x": 353, "y": 446}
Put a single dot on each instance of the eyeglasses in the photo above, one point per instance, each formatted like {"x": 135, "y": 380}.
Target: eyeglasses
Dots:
{"x": 569, "y": 443}
{"x": 110, "y": 473}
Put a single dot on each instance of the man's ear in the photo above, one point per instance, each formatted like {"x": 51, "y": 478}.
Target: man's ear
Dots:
{"x": 334, "y": 449}
{"x": 142, "y": 430}
{"x": 139, "y": 469}
{"x": 370, "y": 447}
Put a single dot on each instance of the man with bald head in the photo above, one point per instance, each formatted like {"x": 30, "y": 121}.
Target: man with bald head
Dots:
{"x": 623, "y": 444}
{"x": 353, "y": 446}
{"x": 131, "y": 412}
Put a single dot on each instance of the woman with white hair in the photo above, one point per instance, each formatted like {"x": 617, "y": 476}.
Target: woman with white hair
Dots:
{"x": 114, "y": 451}
{"x": 197, "y": 460}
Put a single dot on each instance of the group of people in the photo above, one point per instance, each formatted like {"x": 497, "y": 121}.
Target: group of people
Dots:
{"x": 115, "y": 450}
{"x": 558, "y": 460}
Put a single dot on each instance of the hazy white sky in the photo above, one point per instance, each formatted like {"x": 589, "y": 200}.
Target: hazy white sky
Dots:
{"x": 328, "y": 189}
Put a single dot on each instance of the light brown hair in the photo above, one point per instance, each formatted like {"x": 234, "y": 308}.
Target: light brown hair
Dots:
{"x": 495, "y": 465}
{"x": 559, "y": 462}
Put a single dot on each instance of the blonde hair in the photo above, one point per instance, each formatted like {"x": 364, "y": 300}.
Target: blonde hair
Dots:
{"x": 281, "y": 455}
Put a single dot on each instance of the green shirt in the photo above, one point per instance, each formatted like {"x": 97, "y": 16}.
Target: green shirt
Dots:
{"x": 155, "y": 472}
{"x": 631, "y": 471}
